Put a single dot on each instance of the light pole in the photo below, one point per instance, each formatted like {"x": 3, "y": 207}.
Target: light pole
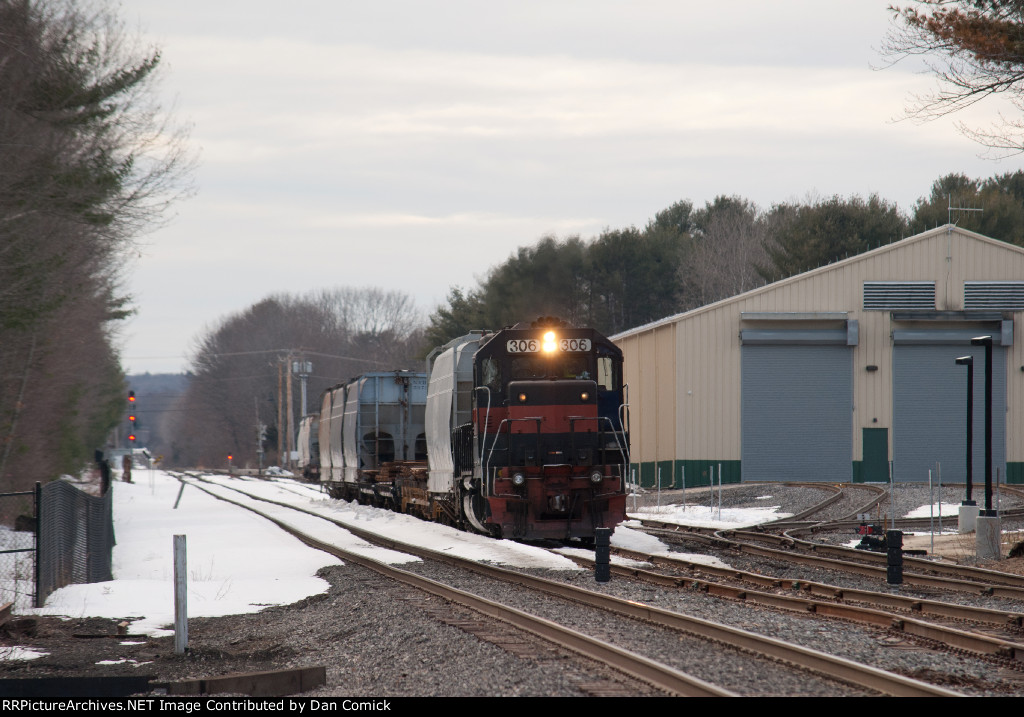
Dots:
{"x": 969, "y": 508}
{"x": 989, "y": 529}
{"x": 986, "y": 341}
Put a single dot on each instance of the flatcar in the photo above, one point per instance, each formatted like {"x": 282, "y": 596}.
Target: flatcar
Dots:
{"x": 519, "y": 433}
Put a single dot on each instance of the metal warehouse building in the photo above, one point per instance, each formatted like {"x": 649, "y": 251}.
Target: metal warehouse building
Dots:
{"x": 831, "y": 374}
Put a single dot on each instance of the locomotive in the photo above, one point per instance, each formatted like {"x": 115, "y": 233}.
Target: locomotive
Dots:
{"x": 519, "y": 433}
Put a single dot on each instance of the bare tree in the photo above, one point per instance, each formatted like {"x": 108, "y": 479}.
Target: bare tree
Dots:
{"x": 729, "y": 238}
{"x": 237, "y": 365}
{"x": 974, "y": 49}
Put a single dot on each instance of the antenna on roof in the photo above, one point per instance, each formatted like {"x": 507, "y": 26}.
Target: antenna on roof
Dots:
{"x": 950, "y": 208}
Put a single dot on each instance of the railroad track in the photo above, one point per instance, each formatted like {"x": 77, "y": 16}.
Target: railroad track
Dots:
{"x": 648, "y": 670}
{"x": 855, "y": 605}
{"x": 916, "y": 571}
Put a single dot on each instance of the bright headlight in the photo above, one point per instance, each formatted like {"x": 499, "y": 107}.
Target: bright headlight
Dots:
{"x": 596, "y": 477}
{"x": 518, "y": 479}
{"x": 549, "y": 341}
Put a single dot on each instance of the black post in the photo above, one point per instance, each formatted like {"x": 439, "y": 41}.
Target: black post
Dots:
{"x": 986, "y": 341}
{"x": 968, "y": 361}
{"x": 38, "y": 498}
{"x": 602, "y": 554}
{"x": 894, "y": 557}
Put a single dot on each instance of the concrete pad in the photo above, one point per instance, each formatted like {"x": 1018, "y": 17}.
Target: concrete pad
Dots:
{"x": 989, "y": 533}
{"x": 968, "y": 518}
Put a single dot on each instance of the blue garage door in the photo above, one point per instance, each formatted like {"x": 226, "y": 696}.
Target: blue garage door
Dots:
{"x": 797, "y": 403}
{"x": 930, "y": 409}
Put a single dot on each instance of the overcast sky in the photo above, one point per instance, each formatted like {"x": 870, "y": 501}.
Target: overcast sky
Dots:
{"x": 414, "y": 145}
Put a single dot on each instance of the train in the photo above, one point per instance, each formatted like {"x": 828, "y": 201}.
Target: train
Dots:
{"x": 519, "y": 433}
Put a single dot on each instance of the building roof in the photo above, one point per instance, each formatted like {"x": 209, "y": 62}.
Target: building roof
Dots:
{"x": 902, "y": 243}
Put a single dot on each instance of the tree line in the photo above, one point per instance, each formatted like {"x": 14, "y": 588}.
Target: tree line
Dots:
{"x": 87, "y": 162}
{"x": 684, "y": 257}
{"x": 687, "y": 256}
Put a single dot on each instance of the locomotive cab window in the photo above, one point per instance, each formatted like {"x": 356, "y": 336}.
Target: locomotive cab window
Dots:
{"x": 490, "y": 374}
{"x": 606, "y": 373}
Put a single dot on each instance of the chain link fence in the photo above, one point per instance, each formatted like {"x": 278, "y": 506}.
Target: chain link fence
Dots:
{"x": 18, "y": 548}
{"x": 73, "y": 543}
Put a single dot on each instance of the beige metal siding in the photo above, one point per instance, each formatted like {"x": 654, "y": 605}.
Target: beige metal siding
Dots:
{"x": 705, "y": 354}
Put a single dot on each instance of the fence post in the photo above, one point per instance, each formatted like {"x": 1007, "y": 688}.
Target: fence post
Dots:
{"x": 180, "y": 596}
{"x": 38, "y": 498}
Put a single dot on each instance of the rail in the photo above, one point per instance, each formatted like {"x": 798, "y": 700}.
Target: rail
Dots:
{"x": 664, "y": 678}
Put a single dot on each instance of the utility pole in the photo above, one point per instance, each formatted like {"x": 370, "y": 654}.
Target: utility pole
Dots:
{"x": 280, "y": 413}
{"x": 259, "y": 434}
{"x": 290, "y": 440}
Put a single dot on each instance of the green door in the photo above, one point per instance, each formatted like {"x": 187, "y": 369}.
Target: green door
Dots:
{"x": 876, "y": 455}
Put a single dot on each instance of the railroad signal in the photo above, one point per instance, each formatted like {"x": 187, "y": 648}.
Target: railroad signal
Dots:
{"x": 131, "y": 418}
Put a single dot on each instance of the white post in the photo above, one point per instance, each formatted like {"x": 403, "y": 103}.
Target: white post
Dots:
{"x": 659, "y": 486}
{"x": 711, "y": 489}
{"x": 632, "y": 480}
{"x": 938, "y": 479}
{"x": 684, "y": 488}
{"x": 719, "y": 491}
{"x": 931, "y": 512}
{"x": 180, "y": 596}
{"x": 998, "y": 492}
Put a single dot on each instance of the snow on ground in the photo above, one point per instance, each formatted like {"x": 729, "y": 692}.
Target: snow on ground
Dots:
{"x": 946, "y": 510}
{"x": 703, "y": 516}
{"x": 239, "y": 562}
{"x": 406, "y": 528}
{"x": 628, "y": 539}
{"x": 20, "y": 653}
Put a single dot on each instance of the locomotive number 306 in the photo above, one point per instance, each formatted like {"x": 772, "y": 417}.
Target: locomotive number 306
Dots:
{"x": 526, "y": 346}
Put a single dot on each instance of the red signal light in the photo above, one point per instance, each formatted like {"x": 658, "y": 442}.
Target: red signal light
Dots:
{"x": 131, "y": 397}
{"x": 131, "y": 437}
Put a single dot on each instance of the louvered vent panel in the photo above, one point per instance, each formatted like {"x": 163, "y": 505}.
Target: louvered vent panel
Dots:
{"x": 994, "y": 295}
{"x": 895, "y": 295}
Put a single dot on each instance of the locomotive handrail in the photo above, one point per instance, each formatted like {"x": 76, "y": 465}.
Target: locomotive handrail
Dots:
{"x": 623, "y": 424}
{"x": 623, "y": 451}
{"x": 487, "y": 419}
{"x": 487, "y": 465}
{"x": 615, "y": 434}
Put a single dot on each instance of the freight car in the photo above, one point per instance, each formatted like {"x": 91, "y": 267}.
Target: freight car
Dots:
{"x": 307, "y": 445}
{"x": 369, "y": 427}
{"x": 520, "y": 433}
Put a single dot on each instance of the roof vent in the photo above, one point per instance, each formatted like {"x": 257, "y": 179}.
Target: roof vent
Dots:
{"x": 1005, "y": 295}
{"x": 896, "y": 295}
